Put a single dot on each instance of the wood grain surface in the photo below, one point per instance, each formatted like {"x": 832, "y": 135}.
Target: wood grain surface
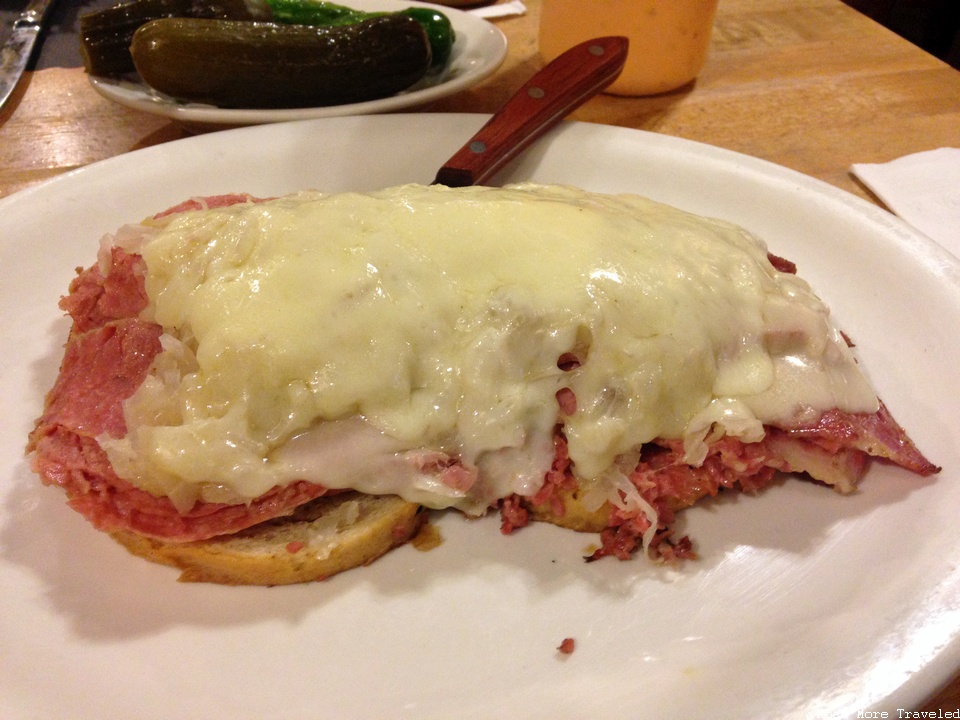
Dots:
{"x": 808, "y": 84}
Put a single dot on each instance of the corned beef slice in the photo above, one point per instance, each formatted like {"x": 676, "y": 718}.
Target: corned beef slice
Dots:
{"x": 106, "y": 358}
{"x": 838, "y": 446}
{"x": 95, "y": 299}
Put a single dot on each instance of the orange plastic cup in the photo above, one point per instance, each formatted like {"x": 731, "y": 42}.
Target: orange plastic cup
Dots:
{"x": 669, "y": 39}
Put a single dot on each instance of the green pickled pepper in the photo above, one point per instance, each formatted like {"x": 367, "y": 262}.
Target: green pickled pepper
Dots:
{"x": 313, "y": 12}
{"x": 439, "y": 29}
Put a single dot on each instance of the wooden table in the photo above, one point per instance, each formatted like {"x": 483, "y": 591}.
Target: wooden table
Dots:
{"x": 809, "y": 84}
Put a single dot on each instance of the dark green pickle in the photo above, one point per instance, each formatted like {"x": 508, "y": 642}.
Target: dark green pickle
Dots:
{"x": 234, "y": 64}
{"x": 105, "y": 35}
{"x": 440, "y": 32}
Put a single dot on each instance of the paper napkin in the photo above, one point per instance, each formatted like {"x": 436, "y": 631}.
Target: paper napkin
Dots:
{"x": 515, "y": 7}
{"x": 923, "y": 189}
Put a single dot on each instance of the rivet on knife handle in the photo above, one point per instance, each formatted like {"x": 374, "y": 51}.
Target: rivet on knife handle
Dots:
{"x": 563, "y": 85}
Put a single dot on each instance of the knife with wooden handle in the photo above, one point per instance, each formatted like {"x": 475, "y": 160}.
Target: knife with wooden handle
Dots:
{"x": 544, "y": 100}
{"x": 16, "y": 52}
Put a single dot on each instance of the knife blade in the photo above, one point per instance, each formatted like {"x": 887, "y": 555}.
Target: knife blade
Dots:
{"x": 16, "y": 52}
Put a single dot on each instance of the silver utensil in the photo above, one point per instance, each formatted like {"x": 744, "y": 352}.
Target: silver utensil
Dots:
{"x": 16, "y": 53}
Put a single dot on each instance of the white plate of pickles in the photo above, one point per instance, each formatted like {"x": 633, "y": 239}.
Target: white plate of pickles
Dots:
{"x": 478, "y": 50}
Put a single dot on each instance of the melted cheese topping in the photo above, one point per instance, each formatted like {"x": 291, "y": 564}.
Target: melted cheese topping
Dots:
{"x": 407, "y": 341}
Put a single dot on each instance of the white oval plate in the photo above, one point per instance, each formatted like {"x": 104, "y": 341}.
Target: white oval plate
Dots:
{"x": 478, "y": 50}
{"x": 804, "y": 604}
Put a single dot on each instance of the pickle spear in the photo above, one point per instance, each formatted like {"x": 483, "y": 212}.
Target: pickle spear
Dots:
{"x": 236, "y": 64}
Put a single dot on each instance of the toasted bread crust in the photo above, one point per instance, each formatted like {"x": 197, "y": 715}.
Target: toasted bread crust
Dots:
{"x": 322, "y": 538}
{"x": 574, "y": 516}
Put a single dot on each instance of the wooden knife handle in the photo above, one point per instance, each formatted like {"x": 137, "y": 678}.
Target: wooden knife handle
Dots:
{"x": 561, "y": 86}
